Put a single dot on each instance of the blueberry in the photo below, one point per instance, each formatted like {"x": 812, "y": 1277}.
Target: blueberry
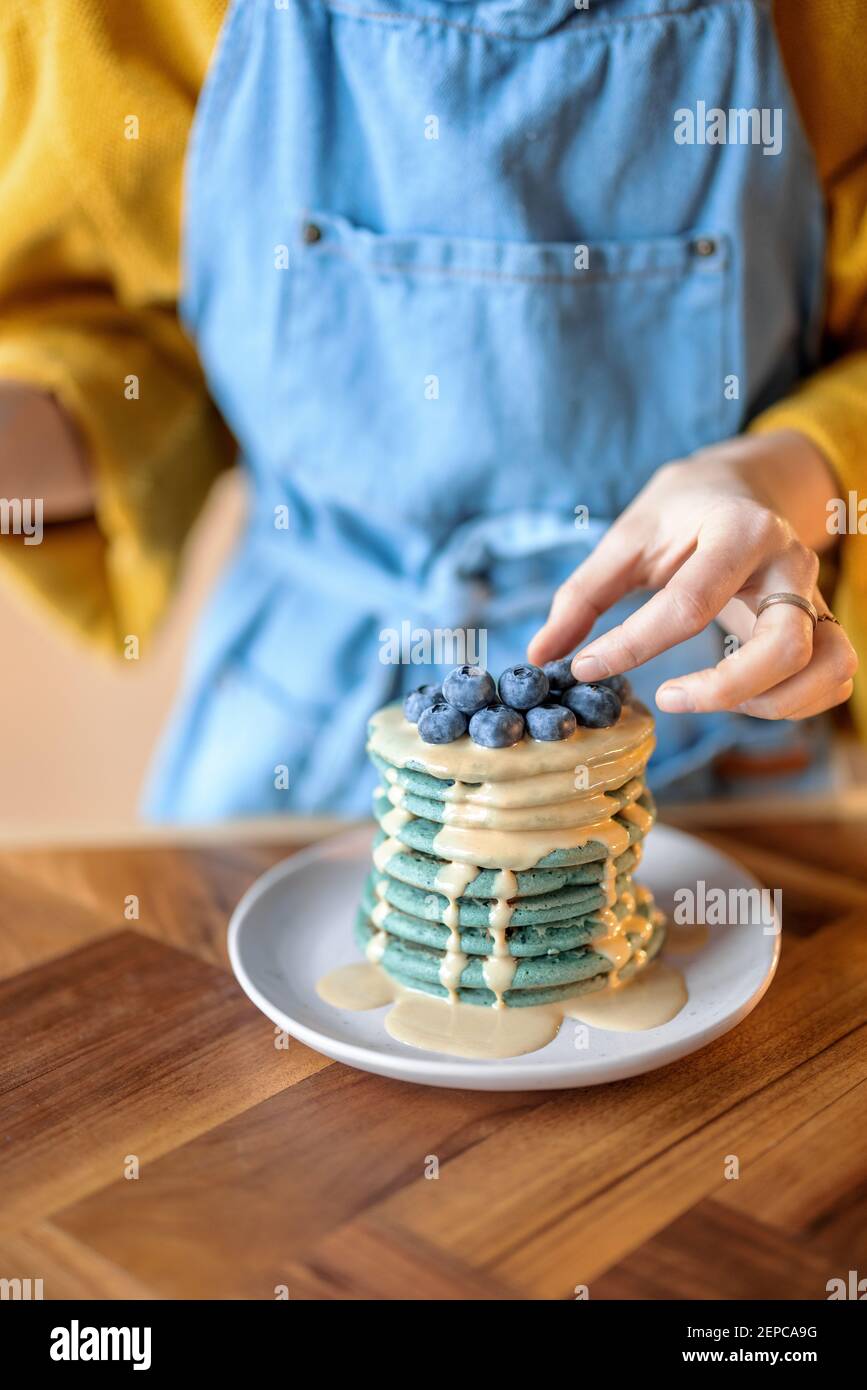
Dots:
{"x": 550, "y": 722}
{"x": 497, "y": 726}
{"x": 469, "y": 688}
{"x": 441, "y": 723}
{"x": 522, "y": 687}
{"x": 559, "y": 674}
{"x": 596, "y": 706}
{"x": 422, "y": 698}
{"x": 619, "y": 684}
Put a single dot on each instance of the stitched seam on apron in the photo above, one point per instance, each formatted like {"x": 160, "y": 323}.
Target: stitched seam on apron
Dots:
{"x": 459, "y": 273}
{"x": 598, "y": 26}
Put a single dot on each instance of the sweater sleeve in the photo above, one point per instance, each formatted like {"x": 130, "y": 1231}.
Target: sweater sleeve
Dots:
{"x": 824, "y": 44}
{"x": 99, "y": 100}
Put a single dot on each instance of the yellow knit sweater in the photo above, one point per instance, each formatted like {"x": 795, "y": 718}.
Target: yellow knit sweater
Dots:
{"x": 97, "y": 102}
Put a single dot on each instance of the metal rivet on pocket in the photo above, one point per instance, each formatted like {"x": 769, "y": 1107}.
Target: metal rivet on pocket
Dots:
{"x": 310, "y": 233}
{"x": 703, "y": 246}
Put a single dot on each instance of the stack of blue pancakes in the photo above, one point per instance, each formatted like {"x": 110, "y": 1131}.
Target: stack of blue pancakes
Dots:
{"x": 503, "y": 877}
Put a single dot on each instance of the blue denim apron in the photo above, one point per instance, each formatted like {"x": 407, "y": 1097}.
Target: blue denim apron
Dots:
{"x": 451, "y": 277}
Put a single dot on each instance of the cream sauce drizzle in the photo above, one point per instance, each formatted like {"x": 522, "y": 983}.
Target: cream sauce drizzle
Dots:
{"x": 451, "y": 880}
{"x": 394, "y": 820}
{"x": 609, "y": 882}
{"x": 498, "y": 969}
{"x": 637, "y": 816}
{"x": 468, "y": 1030}
{"x": 578, "y": 811}
{"x": 616, "y": 949}
{"x": 647, "y": 1001}
{"x": 376, "y": 946}
{"x": 385, "y": 851}
{"x": 358, "y": 987}
{"x": 471, "y": 1031}
{"x": 397, "y": 741}
{"x": 545, "y": 788}
{"x": 379, "y": 914}
{"x": 522, "y": 849}
{"x": 610, "y": 923}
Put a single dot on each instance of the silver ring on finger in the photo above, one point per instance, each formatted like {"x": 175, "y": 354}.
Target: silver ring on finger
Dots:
{"x": 797, "y": 599}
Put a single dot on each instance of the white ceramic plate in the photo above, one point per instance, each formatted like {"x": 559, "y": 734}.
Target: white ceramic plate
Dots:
{"x": 296, "y": 923}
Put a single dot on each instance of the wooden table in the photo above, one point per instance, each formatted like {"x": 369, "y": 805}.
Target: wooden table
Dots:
{"x": 126, "y": 1047}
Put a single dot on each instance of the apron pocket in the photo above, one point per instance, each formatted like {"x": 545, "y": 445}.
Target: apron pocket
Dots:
{"x": 433, "y": 378}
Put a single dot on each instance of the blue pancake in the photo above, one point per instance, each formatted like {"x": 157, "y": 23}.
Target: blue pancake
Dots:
{"x": 521, "y": 941}
{"x": 419, "y": 834}
{"x": 423, "y": 786}
{"x": 436, "y": 808}
{"x": 539, "y": 980}
{"x": 421, "y": 870}
{"x": 562, "y": 906}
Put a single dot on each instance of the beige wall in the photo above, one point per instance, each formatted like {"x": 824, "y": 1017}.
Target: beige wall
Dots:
{"x": 78, "y": 730}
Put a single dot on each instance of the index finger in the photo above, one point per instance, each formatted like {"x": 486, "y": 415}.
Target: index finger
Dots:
{"x": 598, "y": 582}
{"x": 691, "y": 599}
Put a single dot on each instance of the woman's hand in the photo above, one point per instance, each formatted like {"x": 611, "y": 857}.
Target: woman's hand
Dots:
{"x": 714, "y": 534}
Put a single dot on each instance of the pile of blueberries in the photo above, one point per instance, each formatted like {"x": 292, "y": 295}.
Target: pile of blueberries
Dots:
{"x": 545, "y": 702}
